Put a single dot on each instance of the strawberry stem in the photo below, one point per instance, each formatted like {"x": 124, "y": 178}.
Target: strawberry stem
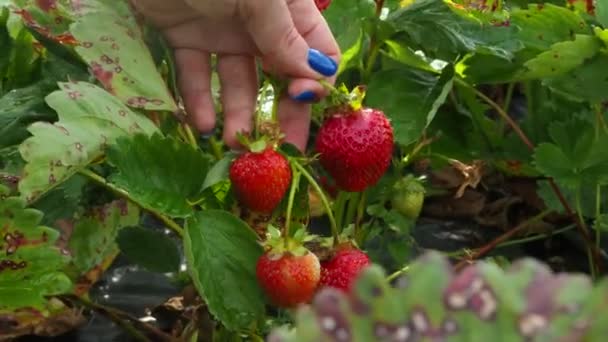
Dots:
{"x": 91, "y": 175}
{"x": 351, "y": 209}
{"x": 277, "y": 87}
{"x": 339, "y": 208}
{"x": 259, "y": 113}
{"x": 295, "y": 181}
{"x": 360, "y": 213}
{"x": 315, "y": 185}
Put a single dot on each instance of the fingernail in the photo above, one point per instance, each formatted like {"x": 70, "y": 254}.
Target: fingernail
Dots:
{"x": 306, "y": 96}
{"x": 321, "y": 63}
{"x": 207, "y": 135}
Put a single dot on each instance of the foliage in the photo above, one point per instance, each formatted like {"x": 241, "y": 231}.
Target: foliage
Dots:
{"x": 483, "y": 96}
{"x": 527, "y": 302}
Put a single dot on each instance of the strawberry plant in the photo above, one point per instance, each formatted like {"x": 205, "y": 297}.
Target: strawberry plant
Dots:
{"x": 452, "y": 188}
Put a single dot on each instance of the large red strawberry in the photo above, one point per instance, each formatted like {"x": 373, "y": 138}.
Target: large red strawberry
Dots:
{"x": 355, "y": 147}
{"x": 260, "y": 179}
{"x": 342, "y": 269}
{"x": 289, "y": 275}
{"x": 322, "y": 4}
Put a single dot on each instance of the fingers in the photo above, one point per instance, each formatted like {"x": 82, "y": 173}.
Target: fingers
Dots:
{"x": 280, "y": 41}
{"x": 194, "y": 81}
{"x": 239, "y": 84}
{"x": 294, "y": 118}
{"x": 316, "y": 32}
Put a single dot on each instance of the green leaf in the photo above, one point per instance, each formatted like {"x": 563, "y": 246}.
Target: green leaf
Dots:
{"x": 543, "y": 25}
{"x": 219, "y": 172}
{"x": 404, "y": 54}
{"x": 6, "y": 43}
{"x": 94, "y": 235}
{"x": 344, "y": 16}
{"x": 561, "y": 58}
{"x": 351, "y": 57}
{"x": 120, "y": 59}
{"x": 150, "y": 249}
{"x": 409, "y": 98}
{"x": 89, "y": 120}
{"x": 527, "y": 301}
{"x": 445, "y": 32}
{"x": 601, "y": 12}
{"x": 69, "y": 194}
{"x": 222, "y": 253}
{"x": 587, "y": 83}
{"x": 161, "y": 173}
{"x": 21, "y": 107}
{"x": 30, "y": 263}
{"x": 536, "y": 29}
{"x": 576, "y": 154}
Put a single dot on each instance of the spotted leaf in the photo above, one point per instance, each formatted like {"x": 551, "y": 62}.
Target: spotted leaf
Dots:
{"x": 92, "y": 241}
{"x": 526, "y": 302}
{"x": 562, "y": 57}
{"x": 89, "y": 120}
{"x": 119, "y": 57}
{"x": 30, "y": 263}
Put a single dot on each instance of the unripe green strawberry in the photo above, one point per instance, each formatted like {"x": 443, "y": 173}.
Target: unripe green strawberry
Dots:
{"x": 408, "y": 197}
{"x": 355, "y": 147}
{"x": 260, "y": 179}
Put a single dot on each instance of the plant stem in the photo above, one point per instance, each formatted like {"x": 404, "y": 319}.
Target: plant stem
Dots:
{"x": 579, "y": 212}
{"x": 504, "y": 237}
{"x": 508, "y": 97}
{"x": 123, "y": 319}
{"x": 500, "y": 112}
{"x": 506, "y": 104}
{"x": 123, "y": 193}
{"x": 216, "y": 148}
{"x": 535, "y": 237}
{"x": 374, "y": 49}
{"x": 190, "y": 136}
{"x": 374, "y": 46}
{"x": 351, "y": 210}
{"x": 339, "y": 208}
{"x": 598, "y": 213}
{"x": 396, "y": 274}
{"x": 276, "y": 96}
{"x": 330, "y": 215}
{"x": 599, "y": 120}
{"x": 360, "y": 213}
{"x": 292, "y": 194}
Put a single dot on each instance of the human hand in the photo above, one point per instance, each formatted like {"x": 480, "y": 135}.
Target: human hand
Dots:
{"x": 287, "y": 36}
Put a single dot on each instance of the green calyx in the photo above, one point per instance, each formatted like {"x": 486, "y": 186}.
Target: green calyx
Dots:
{"x": 276, "y": 244}
{"x": 341, "y": 97}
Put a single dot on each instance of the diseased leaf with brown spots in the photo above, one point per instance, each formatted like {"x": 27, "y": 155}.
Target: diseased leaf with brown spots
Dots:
{"x": 526, "y": 302}
{"x": 92, "y": 241}
{"x": 50, "y": 18}
{"x": 30, "y": 263}
{"x": 119, "y": 57}
{"x": 89, "y": 120}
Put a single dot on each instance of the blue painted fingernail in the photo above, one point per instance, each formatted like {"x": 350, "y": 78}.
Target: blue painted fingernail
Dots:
{"x": 321, "y": 63}
{"x": 306, "y": 96}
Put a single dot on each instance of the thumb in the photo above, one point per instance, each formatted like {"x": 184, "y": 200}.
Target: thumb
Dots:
{"x": 279, "y": 41}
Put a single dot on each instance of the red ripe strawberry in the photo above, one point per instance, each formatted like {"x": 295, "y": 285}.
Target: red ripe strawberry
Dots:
{"x": 260, "y": 179}
{"x": 355, "y": 147}
{"x": 322, "y": 4}
{"x": 289, "y": 279}
{"x": 342, "y": 269}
